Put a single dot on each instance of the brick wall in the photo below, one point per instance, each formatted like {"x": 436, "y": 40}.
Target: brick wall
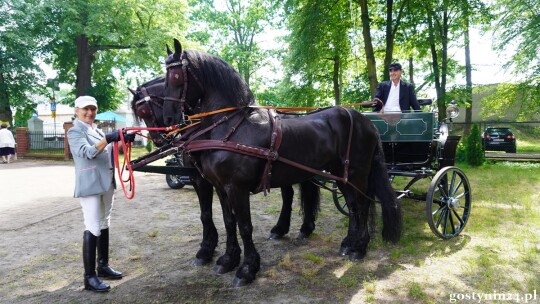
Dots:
{"x": 22, "y": 141}
{"x": 67, "y": 154}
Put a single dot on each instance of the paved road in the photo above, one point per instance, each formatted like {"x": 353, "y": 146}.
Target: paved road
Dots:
{"x": 44, "y": 186}
{"x": 513, "y": 156}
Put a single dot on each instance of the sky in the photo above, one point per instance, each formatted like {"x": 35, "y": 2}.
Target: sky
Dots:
{"x": 487, "y": 63}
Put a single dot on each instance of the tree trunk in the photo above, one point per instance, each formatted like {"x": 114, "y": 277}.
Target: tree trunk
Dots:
{"x": 468, "y": 75}
{"x": 368, "y": 47}
{"x": 441, "y": 103}
{"x": 5, "y": 109}
{"x": 335, "y": 80}
{"x": 435, "y": 60}
{"x": 411, "y": 70}
{"x": 389, "y": 39}
{"x": 84, "y": 66}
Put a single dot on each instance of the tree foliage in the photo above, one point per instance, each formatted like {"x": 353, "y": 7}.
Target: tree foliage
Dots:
{"x": 20, "y": 74}
{"x": 517, "y": 32}
{"x": 319, "y": 50}
{"x": 232, "y": 31}
{"x": 97, "y": 40}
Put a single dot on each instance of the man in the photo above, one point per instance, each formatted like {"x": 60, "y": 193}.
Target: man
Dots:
{"x": 395, "y": 95}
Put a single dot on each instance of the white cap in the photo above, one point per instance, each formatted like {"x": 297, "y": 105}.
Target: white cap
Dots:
{"x": 83, "y": 101}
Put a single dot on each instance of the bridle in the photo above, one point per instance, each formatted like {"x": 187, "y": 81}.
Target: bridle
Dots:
{"x": 144, "y": 106}
{"x": 177, "y": 74}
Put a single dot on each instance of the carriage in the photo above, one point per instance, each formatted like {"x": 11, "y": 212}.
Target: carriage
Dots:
{"x": 239, "y": 147}
{"x": 417, "y": 147}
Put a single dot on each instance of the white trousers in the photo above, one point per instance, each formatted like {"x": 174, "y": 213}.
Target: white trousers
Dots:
{"x": 97, "y": 211}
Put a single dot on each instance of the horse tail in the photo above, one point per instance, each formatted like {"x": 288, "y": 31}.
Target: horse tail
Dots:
{"x": 310, "y": 201}
{"x": 379, "y": 184}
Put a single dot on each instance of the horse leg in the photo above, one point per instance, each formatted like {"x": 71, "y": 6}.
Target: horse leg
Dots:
{"x": 310, "y": 201}
{"x": 231, "y": 258}
{"x": 209, "y": 242}
{"x": 356, "y": 242}
{"x": 284, "y": 221}
{"x": 239, "y": 199}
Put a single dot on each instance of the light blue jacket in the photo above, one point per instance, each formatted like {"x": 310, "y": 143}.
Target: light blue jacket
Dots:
{"x": 93, "y": 169}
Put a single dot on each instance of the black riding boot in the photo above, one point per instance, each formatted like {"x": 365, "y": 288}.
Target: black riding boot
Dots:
{"x": 103, "y": 268}
{"x": 91, "y": 281}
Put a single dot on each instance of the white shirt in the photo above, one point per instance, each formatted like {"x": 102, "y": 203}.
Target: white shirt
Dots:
{"x": 392, "y": 104}
{"x": 6, "y": 139}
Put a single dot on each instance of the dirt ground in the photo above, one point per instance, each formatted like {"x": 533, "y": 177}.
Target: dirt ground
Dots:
{"x": 155, "y": 236}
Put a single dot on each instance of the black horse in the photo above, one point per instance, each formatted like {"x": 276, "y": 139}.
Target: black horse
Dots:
{"x": 239, "y": 140}
{"x": 147, "y": 104}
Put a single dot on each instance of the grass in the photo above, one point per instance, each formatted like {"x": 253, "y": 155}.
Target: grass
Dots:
{"x": 527, "y": 146}
{"x": 498, "y": 250}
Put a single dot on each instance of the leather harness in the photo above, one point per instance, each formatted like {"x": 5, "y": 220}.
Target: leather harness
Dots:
{"x": 192, "y": 144}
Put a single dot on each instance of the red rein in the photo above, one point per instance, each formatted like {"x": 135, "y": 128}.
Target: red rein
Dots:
{"x": 126, "y": 147}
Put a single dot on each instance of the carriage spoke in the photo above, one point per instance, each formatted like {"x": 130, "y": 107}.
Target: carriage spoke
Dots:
{"x": 441, "y": 216}
{"x": 456, "y": 188}
{"x": 458, "y": 217}
{"x": 443, "y": 191}
{"x": 451, "y": 218}
{"x": 459, "y": 196}
{"x": 445, "y": 224}
{"x": 437, "y": 211}
{"x": 451, "y": 187}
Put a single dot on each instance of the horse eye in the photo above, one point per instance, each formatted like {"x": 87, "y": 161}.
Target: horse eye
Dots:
{"x": 144, "y": 111}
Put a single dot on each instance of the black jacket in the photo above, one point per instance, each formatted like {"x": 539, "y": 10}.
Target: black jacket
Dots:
{"x": 407, "y": 96}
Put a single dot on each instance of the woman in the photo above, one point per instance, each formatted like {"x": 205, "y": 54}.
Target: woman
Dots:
{"x": 7, "y": 144}
{"x": 94, "y": 186}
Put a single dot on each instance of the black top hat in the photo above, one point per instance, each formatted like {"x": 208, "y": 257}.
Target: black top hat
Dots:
{"x": 395, "y": 66}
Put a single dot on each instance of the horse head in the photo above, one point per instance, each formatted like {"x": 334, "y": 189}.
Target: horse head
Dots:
{"x": 195, "y": 79}
{"x": 180, "y": 93}
{"x": 147, "y": 104}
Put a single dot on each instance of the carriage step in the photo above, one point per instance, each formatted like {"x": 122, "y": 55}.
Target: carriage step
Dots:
{"x": 402, "y": 193}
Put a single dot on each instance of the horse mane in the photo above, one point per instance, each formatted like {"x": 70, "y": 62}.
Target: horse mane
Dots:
{"x": 150, "y": 84}
{"x": 160, "y": 79}
{"x": 216, "y": 74}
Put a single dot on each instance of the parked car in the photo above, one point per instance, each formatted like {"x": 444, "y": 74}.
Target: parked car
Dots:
{"x": 499, "y": 139}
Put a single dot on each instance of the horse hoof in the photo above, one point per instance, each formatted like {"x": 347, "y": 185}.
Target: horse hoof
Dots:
{"x": 343, "y": 251}
{"x": 275, "y": 236}
{"x": 302, "y": 236}
{"x": 220, "y": 269}
{"x": 238, "y": 282}
{"x": 355, "y": 256}
{"x": 200, "y": 262}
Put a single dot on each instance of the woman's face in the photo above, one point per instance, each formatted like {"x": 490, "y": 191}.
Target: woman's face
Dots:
{"x": 86, "y": 114}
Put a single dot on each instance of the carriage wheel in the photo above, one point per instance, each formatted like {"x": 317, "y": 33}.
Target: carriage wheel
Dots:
{"x": 448, "y": 202}
{"x": 339, "y": 200}
{"x": 174, "y": 181}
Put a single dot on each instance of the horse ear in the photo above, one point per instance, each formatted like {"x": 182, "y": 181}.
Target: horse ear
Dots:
{"x": 169, "y": 52}
{"x": 132, "y": 91}
{"x": 177, "y": 46}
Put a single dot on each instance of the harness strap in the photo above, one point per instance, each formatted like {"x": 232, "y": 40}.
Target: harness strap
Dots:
{"x": 209, "y": 128}
{"x": 275, "y": 143}
{"x": 215, "y": 144}
{"x": 347, "y": 154}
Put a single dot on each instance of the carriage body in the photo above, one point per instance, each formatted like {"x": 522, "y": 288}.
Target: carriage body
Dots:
{"x": 417, "y": 146}
{"x": 413, "y": 141}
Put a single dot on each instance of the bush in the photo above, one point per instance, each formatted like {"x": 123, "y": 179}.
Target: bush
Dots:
{"x": 149, "y": 145}
{"x": 473, "y": 147}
